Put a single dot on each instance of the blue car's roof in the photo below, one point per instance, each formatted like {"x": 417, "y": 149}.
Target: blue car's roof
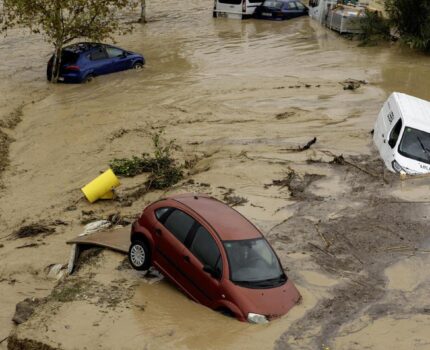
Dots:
{"x": 82, "y": 47}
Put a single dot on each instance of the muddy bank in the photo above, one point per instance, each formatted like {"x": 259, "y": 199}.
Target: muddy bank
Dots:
{"x": 240, "y": 118}
{"x": 353, "y": 237}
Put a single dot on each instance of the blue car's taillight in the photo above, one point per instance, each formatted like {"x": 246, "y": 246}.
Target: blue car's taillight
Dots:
{"x": 73, "y": 68}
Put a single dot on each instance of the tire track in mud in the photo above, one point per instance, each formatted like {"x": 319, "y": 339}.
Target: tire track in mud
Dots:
{"x": 355, "y": 246}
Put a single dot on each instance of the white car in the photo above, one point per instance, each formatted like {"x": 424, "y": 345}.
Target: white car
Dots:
{"x": 402, "y": 134}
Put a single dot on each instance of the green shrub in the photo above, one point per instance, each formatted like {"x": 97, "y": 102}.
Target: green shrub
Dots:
{"x": 411, "y": 18}
{"x": 375, "y": 28}
{"x": 164, "y": 172}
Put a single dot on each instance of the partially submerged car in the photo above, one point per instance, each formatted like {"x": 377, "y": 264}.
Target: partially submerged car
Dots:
{"x": 280, "y": 9}
{"x": 402, "y": 134}
{"x": 214, "y": 255}
{"x": 82, "y": 62}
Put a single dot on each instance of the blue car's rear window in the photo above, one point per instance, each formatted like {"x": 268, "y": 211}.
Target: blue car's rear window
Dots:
{"x": 68, "y": 57}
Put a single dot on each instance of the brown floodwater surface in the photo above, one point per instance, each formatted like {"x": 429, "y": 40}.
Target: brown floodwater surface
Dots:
{"x": 237, "y": 94}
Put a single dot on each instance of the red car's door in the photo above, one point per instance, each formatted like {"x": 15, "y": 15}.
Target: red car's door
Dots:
{"x": 203, "y": 266}
{"x": 171, "y": 232}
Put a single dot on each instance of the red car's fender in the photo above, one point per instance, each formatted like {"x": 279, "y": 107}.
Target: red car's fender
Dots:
{"x": 225, "y": 304}
{"x": 139, "y": 232}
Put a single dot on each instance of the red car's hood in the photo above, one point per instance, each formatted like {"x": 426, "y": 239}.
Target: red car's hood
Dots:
{"x": 272, "y": 302}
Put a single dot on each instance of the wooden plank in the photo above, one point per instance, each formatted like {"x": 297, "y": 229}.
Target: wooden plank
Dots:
{"x": 117, "y": 239}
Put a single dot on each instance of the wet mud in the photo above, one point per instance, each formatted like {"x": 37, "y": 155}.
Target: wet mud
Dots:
{"x": 240, "y": 99}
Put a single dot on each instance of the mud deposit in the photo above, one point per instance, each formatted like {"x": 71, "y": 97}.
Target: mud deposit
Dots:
{"x": 241, "y": 99}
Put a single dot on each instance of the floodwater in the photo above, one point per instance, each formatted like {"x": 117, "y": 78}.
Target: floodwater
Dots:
{"x": 234, "y": 93}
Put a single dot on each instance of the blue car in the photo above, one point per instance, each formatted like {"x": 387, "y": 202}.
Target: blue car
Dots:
{"x": 280, "y": 9}
{"x": 82, "y": 62}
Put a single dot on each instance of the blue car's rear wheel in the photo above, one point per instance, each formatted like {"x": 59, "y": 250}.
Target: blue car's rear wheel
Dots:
{"x": 89, "y": 78}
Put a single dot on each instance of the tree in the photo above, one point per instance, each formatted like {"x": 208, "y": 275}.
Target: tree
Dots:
{"x": 63, "y": 21}
{"x": 412, "y": 20}
{"x": 142, "y": 11}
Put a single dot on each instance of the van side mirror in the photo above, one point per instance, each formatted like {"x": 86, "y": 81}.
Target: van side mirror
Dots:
{"x": 210, "y": 270}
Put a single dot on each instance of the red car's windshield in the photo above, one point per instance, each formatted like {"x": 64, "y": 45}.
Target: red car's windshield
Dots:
{"x": 253, "y": 262}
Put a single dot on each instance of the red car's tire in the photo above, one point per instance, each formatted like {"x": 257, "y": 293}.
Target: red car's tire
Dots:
{"x": 139, "y": 255}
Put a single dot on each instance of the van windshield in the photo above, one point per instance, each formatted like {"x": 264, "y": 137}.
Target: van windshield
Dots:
{"x": 415, "y": 144}
{"x": 254, "y": 264}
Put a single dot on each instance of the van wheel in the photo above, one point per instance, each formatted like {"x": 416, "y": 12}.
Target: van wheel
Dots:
{"x": 139, "y": 256}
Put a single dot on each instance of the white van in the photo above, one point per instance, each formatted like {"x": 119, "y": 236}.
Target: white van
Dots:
{"x": 402, "y": 134}
{"x": 235, "y": 8}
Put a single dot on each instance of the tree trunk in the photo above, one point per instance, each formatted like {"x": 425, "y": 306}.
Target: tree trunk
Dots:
{"x": 142, "y": 11}
{"x": 56, "y": 64}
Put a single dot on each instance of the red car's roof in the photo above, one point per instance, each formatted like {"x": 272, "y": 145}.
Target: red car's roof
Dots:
{"x": 227, "y": 222}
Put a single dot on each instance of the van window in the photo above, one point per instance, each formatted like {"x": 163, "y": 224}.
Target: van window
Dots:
{"x": 394, "y": 136}
{"x": 232, "y": 2}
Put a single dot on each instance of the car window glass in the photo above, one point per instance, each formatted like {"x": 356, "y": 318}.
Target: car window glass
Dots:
{"x": 179, "y": 224}
{"x": 160, "y": 212}
{"x": 415, "y": 144}
{"x": 395, "y": 134}
{"x": 300, "y": 6}
{"x": 114, "y": 52}
{"x": 98, "y": 54}
{"x": 291, "y": 6}
{"x": 68, "y": 57}
{"x": 205, "y": 248}
{"x": 273, "y": 4}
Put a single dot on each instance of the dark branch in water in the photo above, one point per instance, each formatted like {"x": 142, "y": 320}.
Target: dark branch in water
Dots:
{"x": 302, "y": 148}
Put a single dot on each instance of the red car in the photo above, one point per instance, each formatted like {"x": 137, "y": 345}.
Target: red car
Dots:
{"x": 215, "y": 255}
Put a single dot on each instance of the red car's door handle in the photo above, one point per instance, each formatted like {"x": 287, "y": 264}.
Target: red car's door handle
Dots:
{"x": 158, "y": 231}
{"x": 187, "y": 258}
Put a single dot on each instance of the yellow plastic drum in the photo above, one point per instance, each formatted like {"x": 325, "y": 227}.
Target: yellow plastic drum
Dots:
{"x": 101, "y": 187}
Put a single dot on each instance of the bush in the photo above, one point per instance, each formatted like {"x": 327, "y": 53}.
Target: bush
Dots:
{"x": 375, "y": 28}
{"x": 164, "y": 172}
{"x": 411, "y": 18}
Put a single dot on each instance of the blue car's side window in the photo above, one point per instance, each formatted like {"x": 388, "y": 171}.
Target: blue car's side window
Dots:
{"x": 114, "y": 52}
{"x": 98, "y": 54}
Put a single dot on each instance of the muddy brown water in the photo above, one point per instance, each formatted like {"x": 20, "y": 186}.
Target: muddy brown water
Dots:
{"x": 237, "y": 94}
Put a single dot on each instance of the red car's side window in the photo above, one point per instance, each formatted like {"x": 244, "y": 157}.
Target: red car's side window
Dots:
{"x": 179, "y": 224}
{"x": 206, "y": 250}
